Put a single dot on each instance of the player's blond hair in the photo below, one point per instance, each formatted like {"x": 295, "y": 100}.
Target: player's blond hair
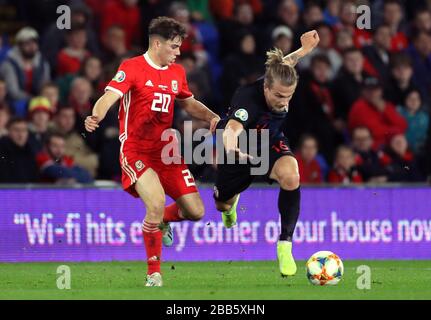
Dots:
{"x": 278, "y": 68}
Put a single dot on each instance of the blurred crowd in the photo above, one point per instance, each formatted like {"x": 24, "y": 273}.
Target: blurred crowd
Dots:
{"x": 360, "y": 112}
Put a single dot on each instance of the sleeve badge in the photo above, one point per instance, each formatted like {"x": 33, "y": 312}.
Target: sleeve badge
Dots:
{"x": 241, "y": 114}
{"x": 119, "y": 77}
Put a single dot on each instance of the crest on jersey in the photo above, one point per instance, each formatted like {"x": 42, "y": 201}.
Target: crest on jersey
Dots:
{"x": 120, "y": 76}
{"x": 241, "y": 114}
{"x": 175, "y": 86}
{"x": 139, "y": 165}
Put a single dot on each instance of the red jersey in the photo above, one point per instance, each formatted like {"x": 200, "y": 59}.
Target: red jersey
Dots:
{"x": 147, "y": 106}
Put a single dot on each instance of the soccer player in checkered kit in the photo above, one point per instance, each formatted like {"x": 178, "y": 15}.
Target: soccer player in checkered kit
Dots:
{"x": 264, "y": 105}
{"x": 147, "y": 86}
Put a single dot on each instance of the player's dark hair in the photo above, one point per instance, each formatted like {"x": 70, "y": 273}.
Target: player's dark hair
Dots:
{"x": 167, "y": 28}
{"x": 277, "y": 68}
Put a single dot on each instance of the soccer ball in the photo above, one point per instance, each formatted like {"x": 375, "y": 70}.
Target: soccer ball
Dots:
{"x": 324, "y": 268}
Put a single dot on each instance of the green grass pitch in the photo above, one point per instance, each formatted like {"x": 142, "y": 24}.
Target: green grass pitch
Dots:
{"x": 211, "y": 280}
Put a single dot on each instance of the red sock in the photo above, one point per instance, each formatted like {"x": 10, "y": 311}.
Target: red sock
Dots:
{"x": 172, "y": 213}
{"x": 153, "y": 245}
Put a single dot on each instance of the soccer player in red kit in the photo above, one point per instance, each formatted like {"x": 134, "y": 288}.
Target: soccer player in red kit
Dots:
{"x": 147, "y": 86}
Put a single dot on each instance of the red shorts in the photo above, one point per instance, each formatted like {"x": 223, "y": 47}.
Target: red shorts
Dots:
{"x": 176, "y": 179}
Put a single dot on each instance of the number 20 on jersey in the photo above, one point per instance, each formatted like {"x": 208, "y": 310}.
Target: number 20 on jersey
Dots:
{"x": 161, "y": 102}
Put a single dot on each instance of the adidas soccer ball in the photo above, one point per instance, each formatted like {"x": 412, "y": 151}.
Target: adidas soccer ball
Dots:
{"x": 324, "y": 268}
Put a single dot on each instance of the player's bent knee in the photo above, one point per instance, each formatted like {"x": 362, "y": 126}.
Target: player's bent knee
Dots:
{"x": 197, "y": 214}
{"x": 289, "y": 181}
{"x": 193, "y": 210}
{"x": 155, "y": 208}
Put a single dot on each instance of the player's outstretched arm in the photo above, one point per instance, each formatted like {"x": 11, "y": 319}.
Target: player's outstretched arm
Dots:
{"x": 309, "y": 41}
{"x": 100, "y": 109}
{"x": 199, "y": 111}
{"x": 230, "y": 138}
